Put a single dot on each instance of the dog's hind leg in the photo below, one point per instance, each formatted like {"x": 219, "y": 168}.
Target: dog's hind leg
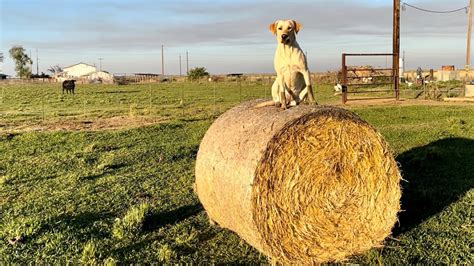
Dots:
{"x": 307, "y": 93}
{"x": 276, "y": 94}
{"x": 282, "y": 88}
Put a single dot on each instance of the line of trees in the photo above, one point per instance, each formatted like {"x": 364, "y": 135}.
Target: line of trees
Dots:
{"x": 23, "y": 63}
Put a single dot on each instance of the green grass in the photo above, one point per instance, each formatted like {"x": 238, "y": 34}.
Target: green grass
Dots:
{"x": 29, "y": 103}
{"x": 125, "y": 196}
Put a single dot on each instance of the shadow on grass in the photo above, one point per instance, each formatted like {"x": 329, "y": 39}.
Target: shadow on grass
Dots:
{"x": 437, "y": 175}
{"x": 81, "y": 225}
{"x": 158, "y": 220}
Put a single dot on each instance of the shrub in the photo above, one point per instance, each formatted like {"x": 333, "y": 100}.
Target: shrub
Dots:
{"x": 197, "y": 73}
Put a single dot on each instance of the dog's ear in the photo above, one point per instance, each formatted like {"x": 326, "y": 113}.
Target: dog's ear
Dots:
{"x": 298, "y": 26}
{"x": 273, "y": 27}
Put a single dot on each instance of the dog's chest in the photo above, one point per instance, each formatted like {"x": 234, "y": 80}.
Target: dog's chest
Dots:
{"x": 289, "y": 63}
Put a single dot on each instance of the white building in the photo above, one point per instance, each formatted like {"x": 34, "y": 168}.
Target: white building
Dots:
{"x": 84, "y": 72}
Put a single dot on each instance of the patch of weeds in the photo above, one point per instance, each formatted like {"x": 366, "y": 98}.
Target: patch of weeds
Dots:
{"x": 458, "y": 123}
{"x": 18, "y": 231}
{"x": 188, "y": 238}
{"x": 110, "y": 262}
{"x": 89, "y": 158}
{"x": 89, "y": 254}
{"x": 96, "y": 147}
{"x": 4, "y": 180}
{"x": 166, "y": 253}
{"x": 7, "y": 136}
{"x": 452, "y": 94}
{"x": 133, "y": 110}
{"x": 91, "y": 147}
{"x": 132, "y": 222}
{"x": 107, "y": 161}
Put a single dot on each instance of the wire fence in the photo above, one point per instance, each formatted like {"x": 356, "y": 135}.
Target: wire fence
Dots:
{"x": 36, "y": 103}
{"x": 22, "y": 105}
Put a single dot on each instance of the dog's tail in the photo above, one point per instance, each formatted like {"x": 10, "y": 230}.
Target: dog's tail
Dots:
{"x": 265, "y": 104}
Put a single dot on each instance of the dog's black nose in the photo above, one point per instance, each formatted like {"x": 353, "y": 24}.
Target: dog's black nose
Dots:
{"x": 284, "y": 36}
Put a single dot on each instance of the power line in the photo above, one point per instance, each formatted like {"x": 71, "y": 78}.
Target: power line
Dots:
{"x": 180, "y": 74}
{"x": 37, "y": 62}
{"x": 100, "y": 63}
{"x": 435, "y": 11}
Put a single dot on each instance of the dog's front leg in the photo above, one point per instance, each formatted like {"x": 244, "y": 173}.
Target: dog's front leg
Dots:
{"x": 283, "y": 88}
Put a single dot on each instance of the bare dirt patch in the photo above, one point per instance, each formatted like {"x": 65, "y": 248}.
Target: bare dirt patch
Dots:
{"x": 401, "y": 102}
{"x": 96, "y": 124}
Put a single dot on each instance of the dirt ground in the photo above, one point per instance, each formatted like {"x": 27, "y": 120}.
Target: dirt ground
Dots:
{"x": 402, "y": 102}
{"x": 124, "y": 122}
{"x": 119, "y": 122}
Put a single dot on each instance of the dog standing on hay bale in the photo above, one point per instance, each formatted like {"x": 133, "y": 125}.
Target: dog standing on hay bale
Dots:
{"x": 311, "y": 184}
{"x": 293, "y": 83}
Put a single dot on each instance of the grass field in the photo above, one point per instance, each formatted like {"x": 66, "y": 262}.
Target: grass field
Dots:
{"x": 125, "y": 195}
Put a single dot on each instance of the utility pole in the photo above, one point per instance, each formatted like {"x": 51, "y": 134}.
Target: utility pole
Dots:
{"x": 187, "y": 63}
{"x": 396, "y": 48}
{"x": 468, "y": 53}
{"x": 37, "y": 60}
{"x": 100, "y": 63}
{"x": 162, "y": 61}
{"x": 180, "y": 65}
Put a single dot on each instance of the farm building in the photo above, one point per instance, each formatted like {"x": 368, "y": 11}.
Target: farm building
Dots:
{"x": 85, "y": 73}
{"x": 446, "y": 73}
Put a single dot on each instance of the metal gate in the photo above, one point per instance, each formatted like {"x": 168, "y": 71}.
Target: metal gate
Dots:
{"x": 369, "y": 78}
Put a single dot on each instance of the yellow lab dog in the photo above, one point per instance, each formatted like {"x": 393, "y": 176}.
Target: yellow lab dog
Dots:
{"x": 293, "y": 82}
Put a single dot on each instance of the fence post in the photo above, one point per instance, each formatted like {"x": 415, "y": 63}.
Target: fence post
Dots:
{"x": 42, "y": 103}
{"x": 182, "y": 100}
{"x": 84, "y": 102}
{"x": 344, "y": 79}
{"x": 3, "y": 95}
{"x": 150, "y": 102}
{"x": 214, "y": 106}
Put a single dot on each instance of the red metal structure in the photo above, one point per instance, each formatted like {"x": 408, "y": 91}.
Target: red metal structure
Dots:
{"x": 349, "y": 86}
{"x": 395, "y": 70}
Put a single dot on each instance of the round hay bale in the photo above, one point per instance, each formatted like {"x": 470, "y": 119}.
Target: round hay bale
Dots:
{"x": 310, "y": 184}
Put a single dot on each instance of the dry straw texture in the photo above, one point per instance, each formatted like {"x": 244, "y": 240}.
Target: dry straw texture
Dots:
{"x": 305, "y": 185}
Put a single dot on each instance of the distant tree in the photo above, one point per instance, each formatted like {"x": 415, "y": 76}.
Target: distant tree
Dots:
{"x": 55, "y": 69}
{"x": 197, "y": 73}
{"x": 1, "y": 61}
{"x": 22, "y": 60}
{"x": 43, "y": 76}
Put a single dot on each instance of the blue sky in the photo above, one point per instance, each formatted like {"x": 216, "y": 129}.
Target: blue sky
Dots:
{"x": 224, "y": 36}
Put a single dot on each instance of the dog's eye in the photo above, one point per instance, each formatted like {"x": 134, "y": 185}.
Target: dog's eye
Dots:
{"x": 280, "y": 28}
{"x": 289, "y": 28}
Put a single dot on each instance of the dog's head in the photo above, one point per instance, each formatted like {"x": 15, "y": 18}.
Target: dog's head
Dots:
{"x": 285, "y": 30}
